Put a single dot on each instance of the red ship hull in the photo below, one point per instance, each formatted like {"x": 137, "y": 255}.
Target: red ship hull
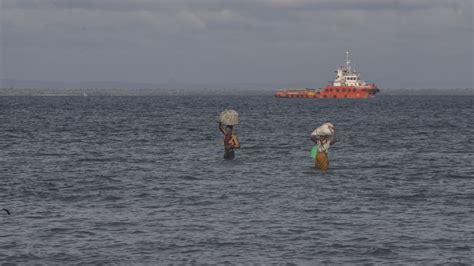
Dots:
{"x": 331, "y": 91}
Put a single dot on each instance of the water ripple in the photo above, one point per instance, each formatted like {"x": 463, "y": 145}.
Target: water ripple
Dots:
{"x": 135, "y": 180}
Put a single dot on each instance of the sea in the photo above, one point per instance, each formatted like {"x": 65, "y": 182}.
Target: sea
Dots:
{"x": 142, "y": 180}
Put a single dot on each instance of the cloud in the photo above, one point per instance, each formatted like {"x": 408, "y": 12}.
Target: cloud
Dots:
{"x": 262, "y": 40}
{"x": 198, "y": 14}
{"x": 85, "y": 13}
{"x": 369, "y": 5}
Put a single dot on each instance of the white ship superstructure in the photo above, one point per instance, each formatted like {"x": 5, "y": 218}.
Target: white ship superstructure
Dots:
{"x": 346, "y": 76}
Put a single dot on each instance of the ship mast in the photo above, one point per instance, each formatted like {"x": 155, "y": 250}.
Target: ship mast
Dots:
{"x": 348, "y": 62}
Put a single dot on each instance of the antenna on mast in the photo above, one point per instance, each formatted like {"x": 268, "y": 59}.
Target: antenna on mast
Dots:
{"x": 348, "y": 61}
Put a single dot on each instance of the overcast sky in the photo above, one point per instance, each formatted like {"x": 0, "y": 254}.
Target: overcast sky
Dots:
{"x": 394, "y": 43}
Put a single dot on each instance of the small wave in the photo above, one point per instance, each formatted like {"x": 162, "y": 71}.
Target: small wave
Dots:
{"x": 52, "y": 154}
{"x": 109, "y": 178}
{"x": 111, "y": 198}
{"x": 59, "y": 230}
{"x": 462, "y": 248}
{"x": 314, "y": 210}
{"x": 380, "y": 252}
{"x": 460, "y": 176}
{"x": 95, "y": 159}
{"x": 21, "y": 258}
{"x": 188, "y": 177}
{"x": 82, "y": 233}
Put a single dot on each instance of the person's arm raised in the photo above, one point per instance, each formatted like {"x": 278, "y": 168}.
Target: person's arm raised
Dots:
{"x": 222, "y": 128}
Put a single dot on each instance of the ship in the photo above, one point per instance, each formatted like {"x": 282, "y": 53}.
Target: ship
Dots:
{"x": 348, "y": 84}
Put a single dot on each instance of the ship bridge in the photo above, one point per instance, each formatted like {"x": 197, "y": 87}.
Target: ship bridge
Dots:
{"x": 346, "y": 76}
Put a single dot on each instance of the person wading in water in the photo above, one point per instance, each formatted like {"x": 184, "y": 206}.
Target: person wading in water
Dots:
{"x": 324, "y": 136}
{"x": 231, "y": 143}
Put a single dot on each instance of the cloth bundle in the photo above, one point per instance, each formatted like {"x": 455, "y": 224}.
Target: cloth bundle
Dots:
{"x": 229, "y": 117}
{"x": 325, "y": 129}
{"x": 325, "y": 135}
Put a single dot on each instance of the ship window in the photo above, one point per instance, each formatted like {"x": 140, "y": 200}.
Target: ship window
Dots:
{"x": 325, "y": 96}
{"x": 337, "y": 90}
{"x": 343, "y": 90}
{"x": 353, "y": 90}
{"x": 334, "y": 96}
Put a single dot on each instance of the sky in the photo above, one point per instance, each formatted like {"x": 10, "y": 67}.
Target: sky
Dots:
{"x": 394, "y": 43}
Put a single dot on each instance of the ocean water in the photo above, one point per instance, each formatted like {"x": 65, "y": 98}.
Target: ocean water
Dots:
{"x": 98, "y": 180}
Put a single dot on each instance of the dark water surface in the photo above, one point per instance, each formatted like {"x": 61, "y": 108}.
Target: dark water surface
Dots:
{"x": 141, "y": 180}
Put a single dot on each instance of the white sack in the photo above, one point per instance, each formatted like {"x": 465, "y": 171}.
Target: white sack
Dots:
{"x": 229, "y": 117}
{"x": 324, "y": 130}
{"x": 325, "y": 135}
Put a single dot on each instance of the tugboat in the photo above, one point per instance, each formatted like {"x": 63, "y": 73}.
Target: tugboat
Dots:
{"x": 347, "y": 84}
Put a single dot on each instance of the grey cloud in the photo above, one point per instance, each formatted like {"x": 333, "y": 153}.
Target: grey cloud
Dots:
{"x": 232, "y": 41}
{"x": 198, "y": 13}
{"x": 133, "y": 5}
{"x": 369, "y": 5}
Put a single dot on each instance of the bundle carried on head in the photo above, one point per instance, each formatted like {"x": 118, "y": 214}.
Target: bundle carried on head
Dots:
{"x": 326, "y": 129}
{"x": 229, "y": 117}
